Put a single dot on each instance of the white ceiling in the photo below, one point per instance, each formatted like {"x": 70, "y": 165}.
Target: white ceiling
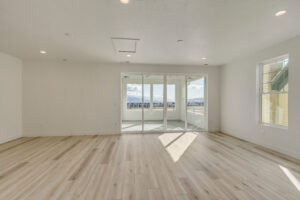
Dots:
{"x": 220, "y": 30}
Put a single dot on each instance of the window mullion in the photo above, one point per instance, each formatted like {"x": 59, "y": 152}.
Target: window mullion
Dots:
{"x": 151, "y": 96}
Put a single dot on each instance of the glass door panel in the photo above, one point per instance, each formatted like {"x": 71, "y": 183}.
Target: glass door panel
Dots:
{"x": 154, "y": 102}
{"x": 196, "y": 105}
{"x": 132, "y": 103}
{"x": 175, "y": 103}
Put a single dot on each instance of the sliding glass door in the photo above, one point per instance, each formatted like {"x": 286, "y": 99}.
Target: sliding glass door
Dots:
{"x": 157, "y": 103}
{"x": 196, "y": 109}
{"x": 175, "y": 103}
{"x": 153, "y": 102}
{"x": 132, "y": 103}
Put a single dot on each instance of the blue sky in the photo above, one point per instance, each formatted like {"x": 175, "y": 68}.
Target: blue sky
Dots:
{"x": 196, "y": 89}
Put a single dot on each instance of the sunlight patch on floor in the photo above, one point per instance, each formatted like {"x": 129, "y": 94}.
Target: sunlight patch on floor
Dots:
{"x": 167, "y": 138}
{"x": 177, "y": 144}
{"x": 291, "y": 177}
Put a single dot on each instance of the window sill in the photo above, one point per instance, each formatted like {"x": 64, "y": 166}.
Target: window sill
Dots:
{"x": 274, "y": 126}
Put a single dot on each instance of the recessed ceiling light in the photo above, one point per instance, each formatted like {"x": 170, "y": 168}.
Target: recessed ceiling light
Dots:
{"x": 124, "y": 1}
{"x": 128, "y": 55}
{"x": 43, "y": 52}
{"x": 280, "y": 13}
{"x": 204, "y": 58}
{"x": 179, "y": 40}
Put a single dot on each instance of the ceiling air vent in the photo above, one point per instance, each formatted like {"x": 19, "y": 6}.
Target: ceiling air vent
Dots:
{"x": 125, "y": 45}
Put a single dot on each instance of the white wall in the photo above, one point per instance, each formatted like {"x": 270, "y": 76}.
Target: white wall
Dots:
{"x": 10, "y": 98}
{"x": 65, "y": 99}
{"x": 238, "y": 100}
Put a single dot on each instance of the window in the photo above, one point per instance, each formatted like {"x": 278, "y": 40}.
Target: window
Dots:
{"x": 158, "y": 96}
{"x": 274, "y": 92}
{"x": 171, "y": 96}
{"x": 147, "y": 96}
{"x": 195, "y": 95}
{"x": 134, "y": 96}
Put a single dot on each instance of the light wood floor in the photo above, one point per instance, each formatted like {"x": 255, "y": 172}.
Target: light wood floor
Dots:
{"x": 144, "y": 167}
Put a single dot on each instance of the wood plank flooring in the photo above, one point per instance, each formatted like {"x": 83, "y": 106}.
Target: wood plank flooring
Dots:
{"x": 178, "y": 166}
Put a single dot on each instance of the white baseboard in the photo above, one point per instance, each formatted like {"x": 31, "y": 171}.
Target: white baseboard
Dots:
{"x": 287, "y": 152}
{"x": 69, "y": 133}
{"x": 9, "y": 139}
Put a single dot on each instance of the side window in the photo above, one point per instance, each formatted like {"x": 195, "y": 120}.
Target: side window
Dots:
{"x": 274, "y": 90}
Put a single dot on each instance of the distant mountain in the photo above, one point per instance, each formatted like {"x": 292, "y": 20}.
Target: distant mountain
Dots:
{"x": 196, "y": 100}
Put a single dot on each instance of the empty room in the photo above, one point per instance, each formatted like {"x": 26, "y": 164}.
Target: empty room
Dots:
{"x": 149, "y": 100}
